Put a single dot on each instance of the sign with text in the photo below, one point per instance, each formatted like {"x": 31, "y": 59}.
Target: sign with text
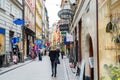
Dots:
{"x": 69, "y": 37}
{"x": 64, "y": 27}
{"x": 91, "y": 61}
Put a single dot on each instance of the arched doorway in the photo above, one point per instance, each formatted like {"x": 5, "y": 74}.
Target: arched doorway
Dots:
{"x": 91, "y": 59}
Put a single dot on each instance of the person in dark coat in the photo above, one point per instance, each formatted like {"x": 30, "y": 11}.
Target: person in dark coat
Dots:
{"x": 39, "y": 55}
{"x": 62, "y": 54}
{"x": 53, "y": 54}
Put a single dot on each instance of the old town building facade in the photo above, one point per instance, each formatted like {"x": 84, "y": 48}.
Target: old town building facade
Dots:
{"x": 84, "y": 30}
{"x": 29, "y": 30}
{"x": 9, "y": 11}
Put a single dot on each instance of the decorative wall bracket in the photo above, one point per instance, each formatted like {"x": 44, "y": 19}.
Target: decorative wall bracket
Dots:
{"x": 114, "y": 30}
{"x": 111, "y": 28}
{"x": 117, "y": 39}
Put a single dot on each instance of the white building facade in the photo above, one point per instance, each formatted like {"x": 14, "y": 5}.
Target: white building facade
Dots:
{"x": 9, "y": 11}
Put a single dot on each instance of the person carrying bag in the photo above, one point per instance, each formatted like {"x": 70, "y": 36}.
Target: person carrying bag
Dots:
{"x": 57, "y": 61}
{"x": 57, "y": 57}
{"x": 54, "y": 58}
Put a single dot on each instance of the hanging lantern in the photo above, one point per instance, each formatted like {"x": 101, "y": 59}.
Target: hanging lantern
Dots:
{"x": 66, "y": 14}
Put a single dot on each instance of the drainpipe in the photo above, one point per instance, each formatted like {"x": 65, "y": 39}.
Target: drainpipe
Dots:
{"x": 97, "y": 37}
{"x": 35, "y": 19}
{"x": 23, "y": 28}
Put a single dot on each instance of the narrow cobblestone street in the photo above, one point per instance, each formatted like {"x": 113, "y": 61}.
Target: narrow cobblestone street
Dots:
{"x": 36, "y": 70}
{"x": 60, "y": 73}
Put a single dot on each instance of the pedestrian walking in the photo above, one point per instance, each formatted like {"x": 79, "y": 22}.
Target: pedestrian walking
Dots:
{"x": 32, "y": 54}
{"x": 39, "y": 55}
{"x": 62, "y": 54}
{"x": 54, "y": 58}
{"x": 35, "y": 49}
{"x": 15, "y": 58}
{"x": 16, "y": 54}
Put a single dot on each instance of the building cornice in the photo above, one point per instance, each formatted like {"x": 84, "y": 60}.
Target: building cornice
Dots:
{"x": 79, "y": 11}
{"x": 17, "y": 4}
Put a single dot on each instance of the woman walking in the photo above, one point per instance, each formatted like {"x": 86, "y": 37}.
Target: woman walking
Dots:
{"x": 39, "y": 55}
{"x": 54, "y": 58}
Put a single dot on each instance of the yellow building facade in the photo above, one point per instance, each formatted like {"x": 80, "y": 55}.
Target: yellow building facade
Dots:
{"x": 108, "y": 34}
{"x": 39, "y": 7}
{"x": 54, "y": 38}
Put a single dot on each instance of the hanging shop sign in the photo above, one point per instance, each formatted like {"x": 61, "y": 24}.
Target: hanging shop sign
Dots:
{"x": 2, "y": 31}
{"x": 66, "y": 14}
{"x": 19, "y": 22}
{"x": 38, "y": 42}
{"x": 15, "y": 40}
{"x": 63, "y": 21}
{"x": 69, "y": 37}
{"x": 91, "y": 62}
{"x": 66, "y": 42}
{"x": 64, "y": 27}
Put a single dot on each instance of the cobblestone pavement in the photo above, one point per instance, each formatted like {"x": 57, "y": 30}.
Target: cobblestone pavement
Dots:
{"x": 60, "y": 71}
{"x": 35, "y": 70}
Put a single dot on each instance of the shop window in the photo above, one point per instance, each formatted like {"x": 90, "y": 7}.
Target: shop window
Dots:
{"x": 2, "y": 3}
{"x": 2, "y": 43}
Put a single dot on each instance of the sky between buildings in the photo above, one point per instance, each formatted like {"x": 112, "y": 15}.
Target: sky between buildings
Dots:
{"x": 53, "y": 6}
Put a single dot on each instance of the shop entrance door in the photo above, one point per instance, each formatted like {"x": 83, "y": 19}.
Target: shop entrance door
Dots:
{"x": 91, "y": 59}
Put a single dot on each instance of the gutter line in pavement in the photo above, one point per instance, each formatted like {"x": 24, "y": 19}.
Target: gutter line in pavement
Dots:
{"x": 65, "y": 70}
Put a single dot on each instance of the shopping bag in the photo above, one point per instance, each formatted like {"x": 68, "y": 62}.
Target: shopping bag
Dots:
{"x": 57, "y": 60}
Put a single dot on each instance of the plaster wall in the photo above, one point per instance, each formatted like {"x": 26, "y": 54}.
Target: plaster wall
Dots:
{"x": 88, "y": 16}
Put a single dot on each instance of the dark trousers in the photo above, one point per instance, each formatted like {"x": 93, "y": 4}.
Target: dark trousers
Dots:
{"x": 62, "y": 56}
{"x": 40, "y": 56}
{"x": 54, "y": 68}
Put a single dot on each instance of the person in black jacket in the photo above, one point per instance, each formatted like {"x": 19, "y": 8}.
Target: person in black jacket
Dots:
{"x": 62, "y": 54}
{"x": 53, "y": 54}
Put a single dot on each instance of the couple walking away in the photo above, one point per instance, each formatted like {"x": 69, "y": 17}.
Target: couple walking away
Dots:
{"x": 54, "y": 58}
